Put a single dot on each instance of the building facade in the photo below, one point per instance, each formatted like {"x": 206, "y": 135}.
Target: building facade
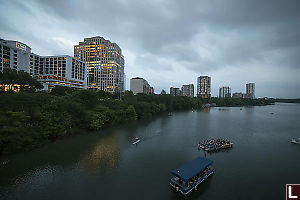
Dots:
{"x": 151, "y": 90}
{"x": 250, "y": 90}
{"x": 14, "y": 55}
{"x": 49, "y": 70}
{"x": 204, "y": 86}
{"x": 61, "y": 70}
{"x": 240, "y": 95}
{"x": 224, "y": 92}
{"x": 139, "y": 85}
{"x": 188, "y": 90}
{"x": 105, "y": 63}
{"x": 175, "y": 91}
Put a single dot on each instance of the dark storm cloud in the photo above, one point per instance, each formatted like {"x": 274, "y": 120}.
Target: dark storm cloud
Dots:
{"x": 199, "y": 36}
{"x": 167, "y": 28}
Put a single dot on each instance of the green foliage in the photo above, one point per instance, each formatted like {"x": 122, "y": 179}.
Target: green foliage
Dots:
{"x": 130, "y": 98}
{"x": 88, "y": 98}
{"x": 27, "y": 83}
{"x": 16, "y": 132}
{"x": 97, "y": 121}
{"x": 237, "y": 102}
{"x": 286, "y": 100}
{"x": 61, "y": 90}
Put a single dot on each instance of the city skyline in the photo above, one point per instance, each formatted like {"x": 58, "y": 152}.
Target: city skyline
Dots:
{"x": 234, "y": 48}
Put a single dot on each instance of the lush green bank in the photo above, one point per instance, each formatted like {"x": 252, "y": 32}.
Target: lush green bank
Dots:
{"x": 30, "y": 119}
{"x": 287, "y": 100}
{"x": 231, "y": 102}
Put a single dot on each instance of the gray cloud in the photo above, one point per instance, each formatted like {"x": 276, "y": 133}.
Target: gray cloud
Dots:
{"x": 166, "y": 36}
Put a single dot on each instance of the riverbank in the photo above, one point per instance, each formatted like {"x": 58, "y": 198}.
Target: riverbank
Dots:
{"x": 29, "y": 120}
{"x": 287, "y": 100}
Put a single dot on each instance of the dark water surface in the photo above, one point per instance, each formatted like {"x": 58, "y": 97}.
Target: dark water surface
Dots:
{"x": 106, "y": 165}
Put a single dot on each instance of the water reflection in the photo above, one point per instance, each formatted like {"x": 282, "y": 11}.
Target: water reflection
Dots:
{"x": 205, "y": 109}
{"x": 104, "y": 155}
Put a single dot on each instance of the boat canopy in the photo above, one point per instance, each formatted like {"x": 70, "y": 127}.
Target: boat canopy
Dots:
{"x": 191, "y": 169}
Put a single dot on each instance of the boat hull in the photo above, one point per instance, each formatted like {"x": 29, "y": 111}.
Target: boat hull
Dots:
{"x": 136, "y": 142}
{"x": 295, "y": 142}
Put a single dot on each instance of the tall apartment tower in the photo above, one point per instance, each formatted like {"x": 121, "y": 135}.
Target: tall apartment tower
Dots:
{"x": 224, "y": 92}
{"x": 250, "y": 90}
{"x": 139, "y": 85}
{"x": 188, "y": 90}
{"x": 204, "y": 86}
{"x": 105, "y": 63}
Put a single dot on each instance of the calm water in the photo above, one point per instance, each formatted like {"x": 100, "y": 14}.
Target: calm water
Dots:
{"x": 106, "y": 165}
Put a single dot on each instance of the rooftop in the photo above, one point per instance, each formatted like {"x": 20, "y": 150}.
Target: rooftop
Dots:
{"x": 192, "y": 168}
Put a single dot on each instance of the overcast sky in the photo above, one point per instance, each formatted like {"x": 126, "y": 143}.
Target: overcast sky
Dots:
{"x": 172, "y": 42}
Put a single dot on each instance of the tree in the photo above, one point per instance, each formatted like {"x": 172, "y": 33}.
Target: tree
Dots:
{"x": 61, "y": 90}
{"x": 11, "y": 77}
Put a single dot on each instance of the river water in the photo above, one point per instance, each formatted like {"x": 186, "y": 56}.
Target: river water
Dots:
{"x": 106, "y": 165}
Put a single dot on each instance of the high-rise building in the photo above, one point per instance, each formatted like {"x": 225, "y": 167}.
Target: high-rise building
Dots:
{"x": 151, "y": 90}
{"x": 139, "y": 85}
{"x": 105, "y": 63}
{"x": 188, "y": 90}
{"x": 204, "y": 86}
{"x": 175, "y": 91}
{"x": 250, "y": 90}
{"x": 224, "y": 92}
{"x": 14, "y": 55}
{"x": 49, "y": 70}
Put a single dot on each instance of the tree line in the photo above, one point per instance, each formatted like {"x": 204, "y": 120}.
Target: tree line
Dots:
{"x": 30, "y": 118}
{"x": 9, "y": 78}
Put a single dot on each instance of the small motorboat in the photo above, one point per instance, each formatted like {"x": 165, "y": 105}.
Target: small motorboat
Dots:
{"x": 136, "y": 140}
{"x": 296, "y": 141}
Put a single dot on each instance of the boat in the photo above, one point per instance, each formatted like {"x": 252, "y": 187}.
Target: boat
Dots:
{"x": 215, "y": 144}
{"x": 136, "y": 140}
{"x": 219, "y": 147}
{"x": 296, "y": 141}
{"x": 190, "y": 175}
{"x": 169, "y": 114}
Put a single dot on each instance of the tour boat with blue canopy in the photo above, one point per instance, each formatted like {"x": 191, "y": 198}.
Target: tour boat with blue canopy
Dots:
{"x": 191, "y": 174}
